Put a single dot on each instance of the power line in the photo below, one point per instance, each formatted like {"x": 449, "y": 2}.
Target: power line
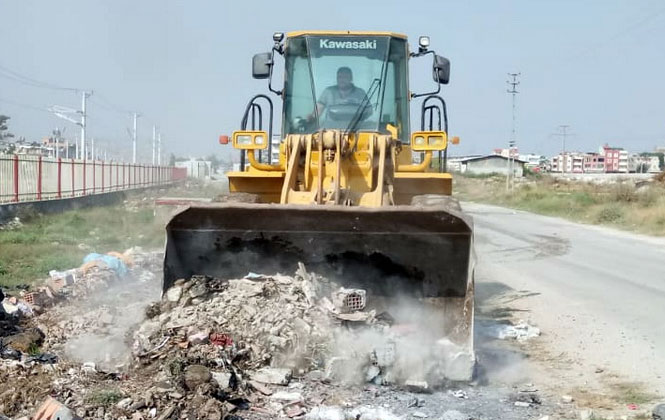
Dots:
{"x": 621, "y": 33}
{"x": 109, "y": 105}
{"x": 18, "y": 77}
{"x": 22, "y": 105}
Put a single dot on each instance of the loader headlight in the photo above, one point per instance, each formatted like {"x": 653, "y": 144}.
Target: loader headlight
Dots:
{"x": 250, "y": 139}
{"x": 244, "y": 139}
{"x": 435, "y": 141}
{"x": 422, "y": 141}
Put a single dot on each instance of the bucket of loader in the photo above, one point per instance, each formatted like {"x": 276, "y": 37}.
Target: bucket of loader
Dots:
{"x": 422, "y": 252}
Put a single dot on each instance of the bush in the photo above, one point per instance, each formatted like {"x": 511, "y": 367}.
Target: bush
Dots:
{"x": 610, "y": 213}
{"x": 623, "y": 193}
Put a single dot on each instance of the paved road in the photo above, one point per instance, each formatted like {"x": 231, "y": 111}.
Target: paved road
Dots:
{"x": 598, "y": 294}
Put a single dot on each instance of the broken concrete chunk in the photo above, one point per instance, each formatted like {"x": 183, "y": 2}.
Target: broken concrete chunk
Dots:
{"x": 372, "y": 372}
{"x": 198, "y": 290}
{"x": 336, "y": 368}
{"x": 294, "y": 411}
{"x": 124, "y": 404}
{"x": 223, "y": 379}
{"x": 53, "y": 409}
{"x": 349, "y": 300}
{"x": 658, "y": 412}
{"x": 384, "y": 356}
{"x": 417, "y": 386}
{"x": 285, "y": 397}
{"x": 326, "y": 413}
{"x": 275, "y": 376}
{"x": 174, "y": 294}
{"x": 454, "y": 415}
{"x": 198, "y": 338}
{"x": 196, "y": 375}
{"x": 357, "y": 316}
{"x": 260, "y": 387}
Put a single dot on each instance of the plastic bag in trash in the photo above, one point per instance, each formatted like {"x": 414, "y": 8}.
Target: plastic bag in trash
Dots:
{"x": 111, "y": 262}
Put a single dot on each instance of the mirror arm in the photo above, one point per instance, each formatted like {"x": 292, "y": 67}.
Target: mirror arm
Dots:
{"x": 279, "y": 49}
{"x": 438, "y": 85}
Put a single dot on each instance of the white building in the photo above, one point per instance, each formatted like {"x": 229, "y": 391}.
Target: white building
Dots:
{"x": 569, "y": 162}
{"x": 201, "y": 169}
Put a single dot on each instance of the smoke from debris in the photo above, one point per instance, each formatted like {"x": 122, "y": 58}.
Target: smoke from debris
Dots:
{"x": 110, "y": 316}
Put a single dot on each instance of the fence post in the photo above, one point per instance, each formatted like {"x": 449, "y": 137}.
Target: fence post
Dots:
{"x": 39, "y": 178}
{"x": 59, "y": 193}
{"x": 84, "y": 176}
{"x": 94, "y": 176}
{"x": 16, "y": 183}
{"x": 102, "y": 176}
{"x": 73, "y": 184}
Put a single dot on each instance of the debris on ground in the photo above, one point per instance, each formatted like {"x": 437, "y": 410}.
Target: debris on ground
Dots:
{"x": 520, "y": 331}
{"x": 12, "y": 224}
{"x": 101, "y": 343}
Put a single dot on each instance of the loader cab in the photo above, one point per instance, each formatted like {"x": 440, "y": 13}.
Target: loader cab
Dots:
{"x": 313, "y": 94}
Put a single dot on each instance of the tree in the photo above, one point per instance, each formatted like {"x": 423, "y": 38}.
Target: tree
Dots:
{"x": 4, "y": 134}
{"x": 171, "y": 159}
{"x": 214, "y": 162}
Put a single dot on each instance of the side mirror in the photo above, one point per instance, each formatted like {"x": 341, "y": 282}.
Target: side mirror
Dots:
{"x": 441, "y": 70}
{"x": 261, "y": 65}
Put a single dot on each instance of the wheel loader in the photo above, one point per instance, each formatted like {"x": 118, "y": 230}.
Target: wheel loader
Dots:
{"x": 346, "y": 187}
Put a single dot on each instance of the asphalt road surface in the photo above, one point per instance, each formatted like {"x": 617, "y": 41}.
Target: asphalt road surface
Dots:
{"x": 597, "y": 294}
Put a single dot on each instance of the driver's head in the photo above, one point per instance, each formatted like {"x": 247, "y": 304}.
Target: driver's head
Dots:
{"x": 344, "y": 78}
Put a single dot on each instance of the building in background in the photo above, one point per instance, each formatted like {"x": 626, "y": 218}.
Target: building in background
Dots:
{"x": 568, "y": 162}
{"x": 643, "y": 163}
{"x": 594, "y": 163}
{"x": 200, "y": 169}
{"x": 490, "y": 164}
{"x": 616, "y": 159}
{"x": 534, "y": 162}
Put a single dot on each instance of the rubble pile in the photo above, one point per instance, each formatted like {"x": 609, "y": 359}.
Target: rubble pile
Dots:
{"x": 96, "y": 339}
{"x": 260, "y": 320}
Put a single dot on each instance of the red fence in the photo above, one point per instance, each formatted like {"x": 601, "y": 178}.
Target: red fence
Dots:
{"x": 31, "y": 178}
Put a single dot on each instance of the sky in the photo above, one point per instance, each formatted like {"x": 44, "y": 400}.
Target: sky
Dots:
{"x": 597, "y": 66}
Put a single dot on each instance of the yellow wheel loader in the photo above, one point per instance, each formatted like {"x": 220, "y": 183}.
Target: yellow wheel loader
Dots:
{"x": 346, "y": 188}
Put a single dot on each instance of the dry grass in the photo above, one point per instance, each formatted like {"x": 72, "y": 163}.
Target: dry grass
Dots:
{"x": 621, "y": 205}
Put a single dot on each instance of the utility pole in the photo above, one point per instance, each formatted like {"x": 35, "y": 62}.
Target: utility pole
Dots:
{"x": 92, "y": 152}
{"x": 513, "y": 135}
{"x": 154, "y": 140}
{"x": 136, "y": 116}
{"x": 159, "y": 149}
{"x": 84, "y": 95}
{"x": 563, "y": 133}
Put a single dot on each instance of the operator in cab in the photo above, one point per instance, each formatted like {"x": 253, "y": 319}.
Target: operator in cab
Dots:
{"x": 343, "y": 93}
{"x": 344, "y": 96}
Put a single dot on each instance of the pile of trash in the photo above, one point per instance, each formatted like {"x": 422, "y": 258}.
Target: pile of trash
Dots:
{"x": 100, "y": 341}
{"x": 11, "y": 224}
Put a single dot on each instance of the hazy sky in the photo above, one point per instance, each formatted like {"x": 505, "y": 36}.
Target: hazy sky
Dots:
{"x": 598, "y": 66}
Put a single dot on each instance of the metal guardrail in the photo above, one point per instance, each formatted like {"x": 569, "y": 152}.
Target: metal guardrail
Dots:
{"x": 35, "y": 178}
